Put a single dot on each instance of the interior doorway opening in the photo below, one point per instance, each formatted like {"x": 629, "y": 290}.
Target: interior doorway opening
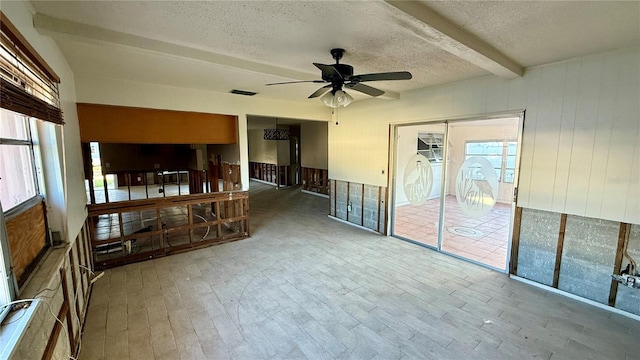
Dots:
{"x": 455, "y": 184}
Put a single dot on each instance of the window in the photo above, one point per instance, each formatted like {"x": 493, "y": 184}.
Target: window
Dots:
{"x": 29, "y": 89}
{"x": 17, "y": 167}
{"x": 430, "y": 145}
{"x": 501, "y": 154}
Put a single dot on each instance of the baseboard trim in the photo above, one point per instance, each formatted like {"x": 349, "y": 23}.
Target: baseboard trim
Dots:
{"x": 314, "y": 193}
{"x": 578, "y": 298}
{"x": 354, "y": 225}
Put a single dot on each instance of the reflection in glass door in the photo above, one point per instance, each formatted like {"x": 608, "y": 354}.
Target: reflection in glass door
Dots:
{"x": 458, "y": 200}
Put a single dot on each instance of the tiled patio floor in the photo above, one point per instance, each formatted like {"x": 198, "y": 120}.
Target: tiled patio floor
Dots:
{"x": 484, "y": 239}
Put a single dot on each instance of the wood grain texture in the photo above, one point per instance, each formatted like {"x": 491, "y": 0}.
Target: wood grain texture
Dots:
{"x": 558, "y": 264}
{"x": 120, "y": 124}
{"x": 623, "y": 235}
{"x": 27, "y": 238}
{"x": 515, "y": 242}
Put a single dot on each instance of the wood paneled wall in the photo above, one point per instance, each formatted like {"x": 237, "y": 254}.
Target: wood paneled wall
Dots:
{"x": 581, "y": 140}
{"x": 121, "y": 124}
{"x": 27, "y": 232}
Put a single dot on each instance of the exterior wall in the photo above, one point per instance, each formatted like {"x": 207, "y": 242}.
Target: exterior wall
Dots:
{"x": 64, "y": 190}
{"x": 60, "y": 145}
{"x": 581, "y": 141}
{"x": 314, "y": 144}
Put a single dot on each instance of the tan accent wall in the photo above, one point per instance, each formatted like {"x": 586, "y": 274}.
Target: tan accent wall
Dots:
{"x": 314, "y": 144}
{"x": 260, "y": 150}
{"x": 121, "y": 124}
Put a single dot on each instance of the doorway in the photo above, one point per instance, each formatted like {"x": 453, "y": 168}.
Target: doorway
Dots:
{"x": 455, "y": 183}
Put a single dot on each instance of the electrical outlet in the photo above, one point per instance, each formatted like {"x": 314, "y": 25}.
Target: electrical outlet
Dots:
{"x": 349, "y": 207}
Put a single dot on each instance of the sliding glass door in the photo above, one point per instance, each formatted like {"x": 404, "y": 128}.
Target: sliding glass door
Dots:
{"x": 418, "y": 183}
{"x": 454, "y": 187}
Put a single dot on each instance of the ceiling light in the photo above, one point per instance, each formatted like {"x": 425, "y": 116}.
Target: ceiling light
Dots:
{"x": 336, "y": 98}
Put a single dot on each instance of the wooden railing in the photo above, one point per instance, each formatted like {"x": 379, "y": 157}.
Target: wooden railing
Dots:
{"x": 137, "y": 230}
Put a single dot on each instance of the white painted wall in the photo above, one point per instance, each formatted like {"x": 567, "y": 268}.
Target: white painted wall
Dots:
{"x": 60, "y": 146}
{"x": 581, "y": 140}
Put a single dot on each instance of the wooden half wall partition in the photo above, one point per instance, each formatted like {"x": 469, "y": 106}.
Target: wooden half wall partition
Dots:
{"x": 138, "y": 230}
{"x": 132, "y": 125}
{"x": 315, "y": 180}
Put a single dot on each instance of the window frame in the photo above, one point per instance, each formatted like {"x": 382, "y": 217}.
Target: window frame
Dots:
{"x": 29, "y": 125}
{"x": 504, "y": 155}
{"x": 7, "y": 278}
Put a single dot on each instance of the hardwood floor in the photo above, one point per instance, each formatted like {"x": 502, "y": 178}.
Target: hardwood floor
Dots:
{"x": 305, "y": 286}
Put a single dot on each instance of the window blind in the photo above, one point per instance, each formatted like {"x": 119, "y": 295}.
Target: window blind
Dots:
{"x": 27, "y": 84}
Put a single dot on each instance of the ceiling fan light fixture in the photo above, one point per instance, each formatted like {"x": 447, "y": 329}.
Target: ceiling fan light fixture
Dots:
{"x": 336, "y": 98}
{"x": 342, "y": 98}
{"x": 329, "y": 100}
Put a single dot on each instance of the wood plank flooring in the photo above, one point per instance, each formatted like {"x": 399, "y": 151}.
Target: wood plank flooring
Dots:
{"x": 308, "y": 287}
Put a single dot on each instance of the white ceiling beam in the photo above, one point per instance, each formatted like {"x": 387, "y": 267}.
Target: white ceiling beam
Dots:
{"x": 56, "y": 27}
{"x": 446, "y": 35}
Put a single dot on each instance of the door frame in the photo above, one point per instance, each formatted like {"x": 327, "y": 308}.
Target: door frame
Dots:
{"x": 393, "y": 155}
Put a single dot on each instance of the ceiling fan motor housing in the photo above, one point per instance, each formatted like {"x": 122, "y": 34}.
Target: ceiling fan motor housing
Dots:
{"x": 345, "y": 71}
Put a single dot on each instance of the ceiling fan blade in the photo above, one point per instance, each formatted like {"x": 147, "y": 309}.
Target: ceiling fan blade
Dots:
{"x": 365, "y": 89}
{"x": 328, "y": 71}
{"x": 400, "y": 75}
{"x": 296, "y": 82}
{"x": 320, "y": 91}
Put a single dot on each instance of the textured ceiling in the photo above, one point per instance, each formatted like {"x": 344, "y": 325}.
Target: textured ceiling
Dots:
{"x": 539, "y": 32}
{"x": 291, "y": 35}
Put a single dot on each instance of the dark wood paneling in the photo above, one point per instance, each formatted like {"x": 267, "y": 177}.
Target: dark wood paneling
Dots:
{"x": 130, "y": 125}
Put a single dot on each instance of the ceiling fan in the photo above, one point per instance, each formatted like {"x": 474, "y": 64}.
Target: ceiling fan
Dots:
{"x": 341, "y": 75}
